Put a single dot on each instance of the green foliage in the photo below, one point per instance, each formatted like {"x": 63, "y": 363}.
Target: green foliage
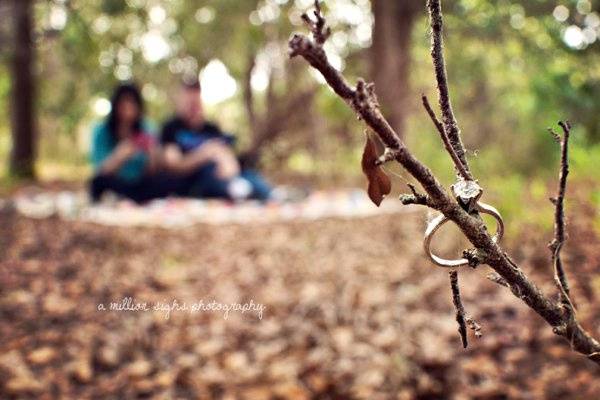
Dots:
{"x": 511, "y": 76}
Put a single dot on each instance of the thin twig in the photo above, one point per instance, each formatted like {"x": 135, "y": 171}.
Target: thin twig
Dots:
{"x": 413, "y": 189}
{"x": 440, "y": 127}
{"x": 559, "y": 215}
{"x": 460, "y": 310}
{"x": 437, "y": 55}
{"x": 320, "y": 30}
{"x": 415, "y": 197}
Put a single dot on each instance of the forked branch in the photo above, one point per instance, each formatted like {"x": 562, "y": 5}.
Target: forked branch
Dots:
{"x": 450, "y": 148}
{"x": 439, "y": 65}
{"x": 363, "y": 100}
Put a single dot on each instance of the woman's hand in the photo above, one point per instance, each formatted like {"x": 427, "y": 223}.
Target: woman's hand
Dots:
{"x": 126, "y": 149}
{"x": 122, "y": 152}
{"x": 155, "y": 159}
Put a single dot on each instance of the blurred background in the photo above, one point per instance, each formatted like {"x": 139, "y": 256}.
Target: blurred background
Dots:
{"x": 515, "y": 69}
{"x": 348, "y": 317}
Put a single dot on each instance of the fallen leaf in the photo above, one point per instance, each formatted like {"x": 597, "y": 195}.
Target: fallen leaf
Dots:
{"x": 41, "y": 356}
{"x": 23, "y": 385}
{"x": 139, "y": 368}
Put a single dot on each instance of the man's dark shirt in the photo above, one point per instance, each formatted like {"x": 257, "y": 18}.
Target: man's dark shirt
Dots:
{"x": 176, "y": 131}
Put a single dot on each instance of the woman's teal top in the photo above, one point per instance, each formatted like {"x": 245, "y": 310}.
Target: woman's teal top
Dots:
{"x": 103, "y": 144}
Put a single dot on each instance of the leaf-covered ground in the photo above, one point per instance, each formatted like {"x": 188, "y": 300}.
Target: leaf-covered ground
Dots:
{"x": 353, "y": 311}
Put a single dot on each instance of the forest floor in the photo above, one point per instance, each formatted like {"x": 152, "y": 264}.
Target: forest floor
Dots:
{"x": 352, "y": 311}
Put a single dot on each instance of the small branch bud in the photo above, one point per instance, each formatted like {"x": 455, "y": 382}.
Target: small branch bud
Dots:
{"x": 475, "y": 257}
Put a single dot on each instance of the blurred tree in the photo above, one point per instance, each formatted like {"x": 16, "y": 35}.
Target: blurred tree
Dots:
{"x": 518, "y": 66}
{"x": 281, "y": 110}
{"x": 23, "y": 115}
{"x": 391, "y": 55}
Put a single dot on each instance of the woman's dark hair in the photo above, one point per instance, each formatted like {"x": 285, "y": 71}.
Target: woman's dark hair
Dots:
{"x": 126, "y": 89}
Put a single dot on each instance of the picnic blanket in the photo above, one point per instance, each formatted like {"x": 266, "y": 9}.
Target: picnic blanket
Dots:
{"x": 183, "y": 212}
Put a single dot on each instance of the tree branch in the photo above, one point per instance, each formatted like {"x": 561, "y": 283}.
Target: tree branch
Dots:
{"x": 249, "y": 93}
{"x": 437, "y": 54}
{"x": 462, "y": 318}
{"x": 363, "y": 100}
{"x": 559, "y": 215}
{"x": 415, "y": 197}
{"x": 460, "y": 310}
{"x": 447, "y": 144}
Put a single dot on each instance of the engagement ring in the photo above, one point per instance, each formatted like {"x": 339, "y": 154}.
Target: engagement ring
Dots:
{"x": 467, "y": 193}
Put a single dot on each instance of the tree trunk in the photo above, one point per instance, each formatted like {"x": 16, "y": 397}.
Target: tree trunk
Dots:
{"x": 390, "y": 57}
{"x": 282, "y": 111}
{"x": 23, "y": 117}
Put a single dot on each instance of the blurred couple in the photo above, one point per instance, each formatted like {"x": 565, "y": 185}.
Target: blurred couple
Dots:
{"x": 191, "y": 158}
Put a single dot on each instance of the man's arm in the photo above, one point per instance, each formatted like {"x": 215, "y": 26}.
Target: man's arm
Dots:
{"x": 227, "y": 165}
{"x": 181, "y": 163}
{"x": 174, "y": 159}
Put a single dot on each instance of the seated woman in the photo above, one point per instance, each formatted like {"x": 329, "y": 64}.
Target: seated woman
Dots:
{"x": 198, "y": 151}
{"x": 125, "y": 156}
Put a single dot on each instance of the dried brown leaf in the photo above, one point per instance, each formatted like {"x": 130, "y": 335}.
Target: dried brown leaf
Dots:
{"x": 380, "y": 184}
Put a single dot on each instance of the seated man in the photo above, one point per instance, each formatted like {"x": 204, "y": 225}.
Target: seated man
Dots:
{"x": 199, "y": 151}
